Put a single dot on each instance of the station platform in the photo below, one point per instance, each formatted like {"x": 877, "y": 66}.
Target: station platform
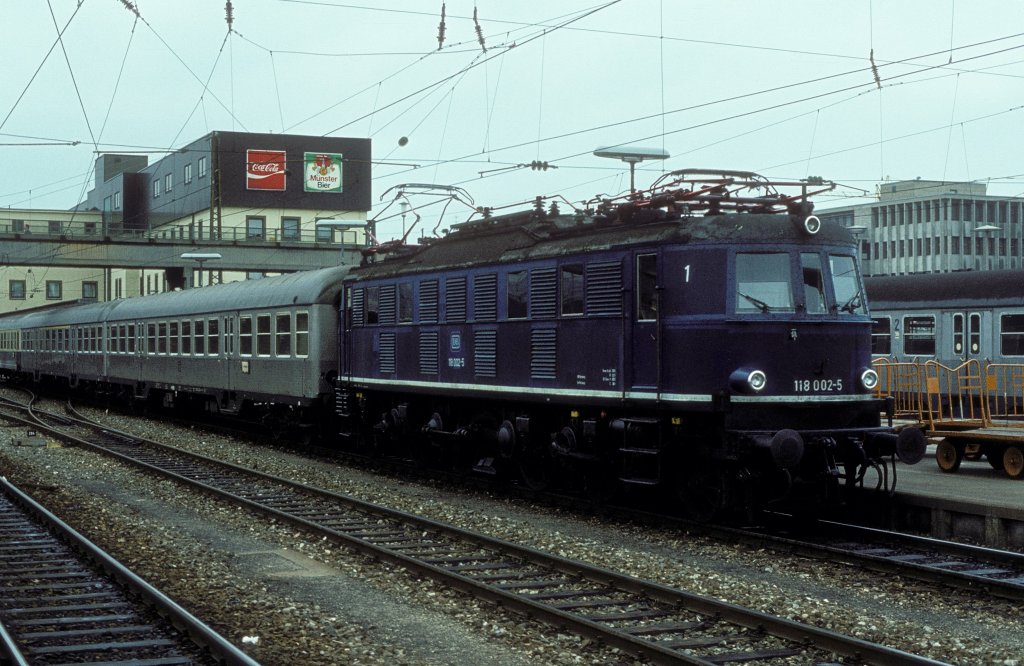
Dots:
{"x": 977, "y": 503}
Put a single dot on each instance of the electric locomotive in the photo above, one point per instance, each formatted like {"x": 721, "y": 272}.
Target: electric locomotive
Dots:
{"x": 709, "y": 337}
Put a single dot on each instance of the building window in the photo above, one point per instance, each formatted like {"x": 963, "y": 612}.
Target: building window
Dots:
{"x": 90, "y": 290}
{"x": 202, "y": 167}
{"x": 168, "y": 182}
{"x": 16, "y": 290}
{"x": 156, "y": 187}
{"x": 117, "y": 200}
{"x": 324, "y": 234}
{"x": 290, "y": 229}
{"x": 53, "y": 227}
{"x": 188, "y": 173}
{"x": 54, "y": 290}
{"x": 255, "y": 227}
{"x": 18, "y": 226}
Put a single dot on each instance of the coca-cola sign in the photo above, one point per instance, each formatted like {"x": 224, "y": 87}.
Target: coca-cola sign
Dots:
{"x": 265, "y": 170}
{"x": 322, "y": 172}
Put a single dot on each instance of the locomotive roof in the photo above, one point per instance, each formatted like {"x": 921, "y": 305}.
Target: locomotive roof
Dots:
{"x": 946, "y": 290}
{"x": 302, "y": 288}
{"x": 522, "y": 238}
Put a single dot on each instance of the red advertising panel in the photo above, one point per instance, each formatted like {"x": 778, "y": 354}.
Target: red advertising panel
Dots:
{"x": 265, "y": 170}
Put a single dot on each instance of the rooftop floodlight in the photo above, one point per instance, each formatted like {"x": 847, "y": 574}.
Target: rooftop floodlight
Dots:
{"x": 200, "y": 257}
{"x": 987, "y": 227}
{"x": 857, "y": 229}
{"x": 632, "y": 155}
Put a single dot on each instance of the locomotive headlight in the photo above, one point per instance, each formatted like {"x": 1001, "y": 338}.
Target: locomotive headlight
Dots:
{"x": 745, "y": 380}
{"x": 869, "y": 379}
{"x": 812, "y": 224}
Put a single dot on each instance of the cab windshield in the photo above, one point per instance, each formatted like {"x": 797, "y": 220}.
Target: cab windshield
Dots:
{"x": 769, "y": 282}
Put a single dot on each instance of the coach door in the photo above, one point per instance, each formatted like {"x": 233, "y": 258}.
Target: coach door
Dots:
{"x": 967, "y": 335}
{"x": 646, "y": 352}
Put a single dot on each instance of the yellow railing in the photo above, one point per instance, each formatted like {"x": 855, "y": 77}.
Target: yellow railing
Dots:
{"x": 970, "y": 394}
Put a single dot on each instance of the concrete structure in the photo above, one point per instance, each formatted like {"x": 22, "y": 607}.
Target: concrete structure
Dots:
{"x": 255, "y": 199}
{"x": 924, "y": 226}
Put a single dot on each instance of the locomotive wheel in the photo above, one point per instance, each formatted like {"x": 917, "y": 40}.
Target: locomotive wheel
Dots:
{"x": 1013, "y": 462}
{"x": 703, "y": 493}
{"x": 535, "y": 467}
{"x": 972, "y": 452}
{"x": 949, "y": 455}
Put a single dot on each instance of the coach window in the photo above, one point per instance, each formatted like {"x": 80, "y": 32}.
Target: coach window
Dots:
{"x": 881, "y": 336}
{"x": 229, "y": 335}
{"x": 161, "y": 337}
{"x": 515, "y": 287}
{"x": 245, "y": 336}
{"x": 919, "y": 335}
{"x": 186, "y": 337}
{"x": 1011, "y": 334}
{"x": 763, "y": 283}
{"x": 213, "y": 336}
{"x": 173, "y": 338}
{"x": 302, "y": 334}
{"x": 283, "y": 334}
{"x": 813, "y": 283}
{"x": 263, "y": 335}
{"x": 572, "y": 289}
{"x": 200, "y": 332}
{"x": 131, "y": 338}
{"x": 151, "y": 336}
{"x": 404, "y": 302}
{"x": 958, "y": 334}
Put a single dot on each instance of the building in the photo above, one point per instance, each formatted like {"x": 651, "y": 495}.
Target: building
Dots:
{"x": 225, "y": 192}
{"x": 926, "y": 226}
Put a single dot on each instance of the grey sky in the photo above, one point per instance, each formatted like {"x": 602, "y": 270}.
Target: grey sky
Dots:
{"x": 784, "y": 88}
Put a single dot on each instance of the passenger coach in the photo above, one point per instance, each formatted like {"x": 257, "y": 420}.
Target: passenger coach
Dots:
{"x": 266, "y": 342}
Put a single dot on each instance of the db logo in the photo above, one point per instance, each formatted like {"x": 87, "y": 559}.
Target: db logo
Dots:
{"x": 265, "y": 170}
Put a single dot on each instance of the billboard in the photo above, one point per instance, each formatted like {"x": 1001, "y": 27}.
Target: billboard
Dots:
{"x": 265, "y": 170}
{"x": 322, "y": 172}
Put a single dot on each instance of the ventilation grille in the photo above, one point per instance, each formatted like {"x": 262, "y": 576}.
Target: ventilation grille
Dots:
{"x": 543, "y": 304}
{"x": 485, "y": 297}
{"x": 455, "y": 299}
{"x": 388, "y": 304}
{"x": 604, "y": 288}
{"x": 485, "y": 353}
{"x": 428, "y": 302}
{"x": 429, "y": 353}
{"x": 358, "y": 306}
{"x": 387, "y": 353}
{"x": 543, "y": 353}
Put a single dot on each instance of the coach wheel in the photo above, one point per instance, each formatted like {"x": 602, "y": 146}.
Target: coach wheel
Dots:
{"x": 1013, "y": 462}
{"x": 972, "y": 452}
{"x": 949, "y": 455}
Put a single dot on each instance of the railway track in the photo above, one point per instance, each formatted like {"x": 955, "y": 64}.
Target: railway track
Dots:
{"x": 63, "y": 600}
{"x": 964, "y": 566}
{"x": 651, "y": 621}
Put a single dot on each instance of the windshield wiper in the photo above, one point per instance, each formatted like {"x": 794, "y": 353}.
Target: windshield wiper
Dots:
{"x": 852, "y": 304}
{"x": 764, "y": 307}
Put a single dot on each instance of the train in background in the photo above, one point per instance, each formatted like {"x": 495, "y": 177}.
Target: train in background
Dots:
{"x": 948, "y": 317}
{"x": 707, "y": 339}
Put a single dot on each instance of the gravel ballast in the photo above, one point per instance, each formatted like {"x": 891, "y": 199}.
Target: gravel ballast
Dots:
{"x": 305, "y": 601}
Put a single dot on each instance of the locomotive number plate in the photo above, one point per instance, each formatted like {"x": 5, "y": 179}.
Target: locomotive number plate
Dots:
{"x": 817, "y": 385}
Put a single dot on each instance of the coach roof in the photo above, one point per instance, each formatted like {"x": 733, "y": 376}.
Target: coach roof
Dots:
{"x": 946, "y": 290}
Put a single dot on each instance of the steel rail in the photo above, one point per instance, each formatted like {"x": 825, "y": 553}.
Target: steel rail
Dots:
{"x": 219, "y": 649}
